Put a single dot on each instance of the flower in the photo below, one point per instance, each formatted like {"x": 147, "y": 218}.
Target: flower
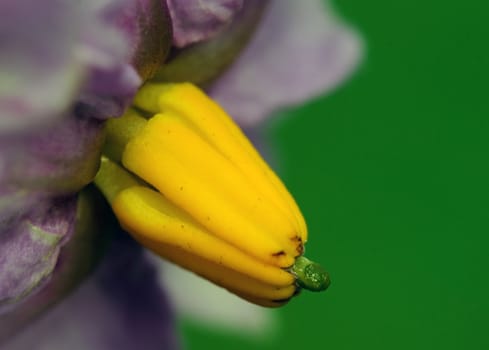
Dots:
{"x": 76, "y": 66}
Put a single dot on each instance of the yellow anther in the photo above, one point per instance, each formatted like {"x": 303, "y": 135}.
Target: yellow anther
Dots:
{"x": 190, "y": 186}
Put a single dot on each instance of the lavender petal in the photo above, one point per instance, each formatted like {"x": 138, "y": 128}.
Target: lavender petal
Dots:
{"x": 203, "y": 62}
{"x": 37, "y": 79}
{"x": 76, "y": 260}
{"x": 29, "y": 248}
{"x": 120, "y": 307}
{"x": 154, "y": 37}
{"x": 46, "y": 60}
{"x": 109, "y": 92}
{"x": 56, "y": 160}
{"x": 300, "y": 51}
{"x": 195, "y": 20}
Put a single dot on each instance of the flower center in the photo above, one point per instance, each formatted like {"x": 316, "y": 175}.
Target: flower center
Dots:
{"x": 188, "y": 184}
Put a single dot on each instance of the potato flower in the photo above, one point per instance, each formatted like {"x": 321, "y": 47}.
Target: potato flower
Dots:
{"x": 70, "y": 277}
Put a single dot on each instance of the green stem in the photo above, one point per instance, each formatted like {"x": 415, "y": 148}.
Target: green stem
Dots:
{"x": 310, "y": 275}
{"x": 112, "y": 179}
{"x": 119, "y": 131}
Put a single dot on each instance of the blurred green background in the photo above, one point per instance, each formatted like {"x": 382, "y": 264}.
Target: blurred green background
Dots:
{"x": 391, "y": 172}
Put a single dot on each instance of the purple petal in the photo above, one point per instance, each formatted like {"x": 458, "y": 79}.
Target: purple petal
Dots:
{"x": 214, "y": 308}
{"x": 61, "y": 159}
{"x": 76, "y": 260}
{"x": 195, "y": 20}
{"x": 45, "y": 61}
{"x": 109, "y": 48}
{"x": 154, "y": 38}
{"x": 37, "y": 78}
{"x": 203, "y": 62}
{"x": 34, "y": 169}
{"x": 29, "y": 248}
{"x": 300, "y": 51}
{"x": 111, "y": 86}
{"x": 108, "y": 93}
{"x": 120, "y": 307}
{"x": 14, "y": 203}
{"x": 111, "y": 81}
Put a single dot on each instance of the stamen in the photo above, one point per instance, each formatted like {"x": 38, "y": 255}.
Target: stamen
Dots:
{"x": 119, "y": 131}
{"x": 112, "y": 179}
{"x": 189, "y": 185}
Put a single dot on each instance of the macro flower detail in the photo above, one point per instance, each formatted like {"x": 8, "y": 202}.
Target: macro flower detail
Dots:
{"x": 195, "y": 20}
{"x": 204, "y": 61}
{"x": 47, "y": 225}
{"x": 218, "y": 209}
{"x": 43, "y": 74}
{"x": 90, "y": 104}
{"x": 302, "y": 48}
{"x": 50, "y": 149}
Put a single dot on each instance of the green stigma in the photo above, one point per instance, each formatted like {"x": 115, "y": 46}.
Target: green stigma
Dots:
{"x": 310, "y": 275}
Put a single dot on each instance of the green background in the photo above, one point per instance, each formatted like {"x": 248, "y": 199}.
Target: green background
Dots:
{"x": 391, "y": 173}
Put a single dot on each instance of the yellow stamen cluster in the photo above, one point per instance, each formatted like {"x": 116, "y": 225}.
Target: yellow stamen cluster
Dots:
{"x": 189, "y": 185}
